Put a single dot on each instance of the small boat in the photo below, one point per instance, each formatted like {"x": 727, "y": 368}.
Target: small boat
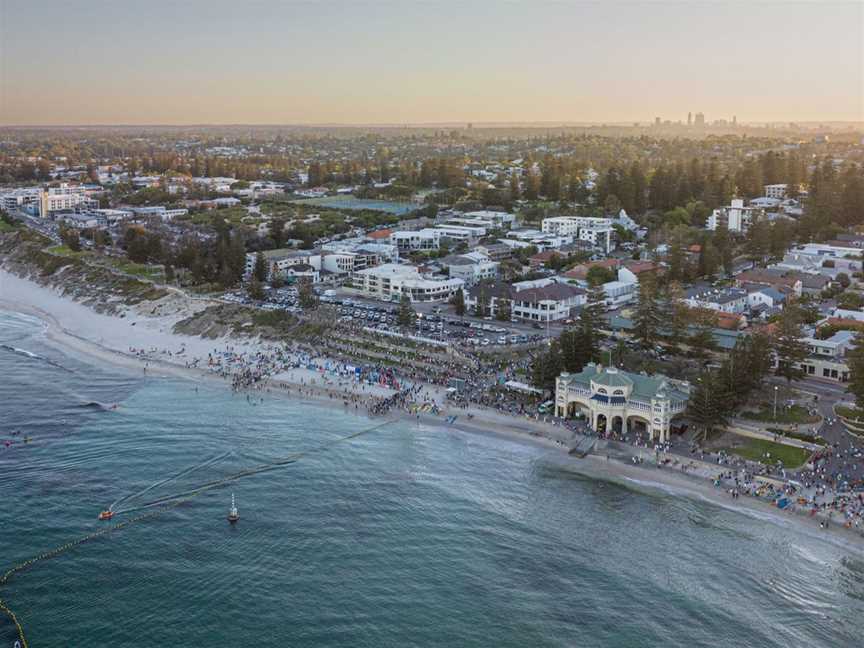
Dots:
{"x": 233, "y": 514}
{"x": 106, "y": 515}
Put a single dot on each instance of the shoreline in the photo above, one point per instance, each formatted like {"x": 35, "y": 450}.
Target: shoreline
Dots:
{"x": 646, "y": 477}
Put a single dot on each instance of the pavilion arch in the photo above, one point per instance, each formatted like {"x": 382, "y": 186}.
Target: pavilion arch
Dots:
{"x": 638, "y": 423}
{"x": 575, "y": 408}
{"x": 601, "y": 423}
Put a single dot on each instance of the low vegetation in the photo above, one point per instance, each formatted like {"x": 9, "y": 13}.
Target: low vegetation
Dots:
{"x": 769, "y": 452}
{"x": 791, "y": 414}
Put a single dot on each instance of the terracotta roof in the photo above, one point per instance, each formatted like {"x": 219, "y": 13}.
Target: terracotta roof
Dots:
{"x": 543, "y": 257}
{"x": 638, "y": 267}
{"x": 581, "y": 271}
{"x": 380, "y": 234}
{"x": 842, "y": 322}
{"x": 725, "y": 321}
{"x": 763, "y": 277}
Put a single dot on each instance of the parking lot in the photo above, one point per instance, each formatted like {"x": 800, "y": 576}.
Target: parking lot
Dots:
{"x": 466, "y": 331}
{"x": 431, "y": 325}
{"x": 285, "y": 298}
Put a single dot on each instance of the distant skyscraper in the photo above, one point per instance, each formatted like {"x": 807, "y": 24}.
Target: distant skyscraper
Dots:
{"x": 700, "y": 120}
{"x": 734, "y": 120}
{"x": 656, "y": 121}
{"x": 689, "y": 118}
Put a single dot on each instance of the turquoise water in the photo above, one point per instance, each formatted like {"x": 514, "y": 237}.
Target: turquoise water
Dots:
{"x": 405, "y": 536}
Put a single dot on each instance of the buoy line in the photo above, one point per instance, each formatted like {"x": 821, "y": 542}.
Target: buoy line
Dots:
{"x": 163, "y": 506}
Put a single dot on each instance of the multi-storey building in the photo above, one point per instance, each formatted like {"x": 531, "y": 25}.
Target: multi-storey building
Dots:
{"x": 776, "y": 191}
{"x": 416, "y": 241}
{"x": 471, "y": 267}
{"x": 736, "y": 217}
{"x": 543, "y": 300}
{"x": 390, "y": 281}
{"x": 279, "y": 261}
{"x": 597, "y": 231}
{"x": 65, "y": 198}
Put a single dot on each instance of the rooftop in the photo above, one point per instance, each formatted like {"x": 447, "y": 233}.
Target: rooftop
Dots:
{"x": 644, "y": 387}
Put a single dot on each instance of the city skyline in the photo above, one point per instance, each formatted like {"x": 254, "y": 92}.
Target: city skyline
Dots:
{"x": 376, "y": 63}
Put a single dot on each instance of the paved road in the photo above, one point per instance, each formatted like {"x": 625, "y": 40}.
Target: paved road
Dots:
{"x": 845, "y": 445}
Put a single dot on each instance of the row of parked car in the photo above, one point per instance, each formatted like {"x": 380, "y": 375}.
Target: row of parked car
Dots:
{"x": 285, "y": 298}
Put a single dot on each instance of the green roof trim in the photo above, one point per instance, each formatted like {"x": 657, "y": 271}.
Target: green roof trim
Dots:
{"x": 644, "y": 387}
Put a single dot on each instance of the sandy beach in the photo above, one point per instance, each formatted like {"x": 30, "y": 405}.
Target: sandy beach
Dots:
{"x": 77, "y": 329}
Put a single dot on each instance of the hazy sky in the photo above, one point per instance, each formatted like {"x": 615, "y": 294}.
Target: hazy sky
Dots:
{"x": 213, "y": 61}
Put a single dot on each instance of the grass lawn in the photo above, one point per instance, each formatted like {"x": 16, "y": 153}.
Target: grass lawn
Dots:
{"x": 851, "y": 413}
{"x": 6, "y": 227}
{"x": 792, "y": 434}
{"x": 62, "y": 250}
{"x": 152, "y": 272}
{"x": 794, "y": 414}
{"x": 755, "y": 450}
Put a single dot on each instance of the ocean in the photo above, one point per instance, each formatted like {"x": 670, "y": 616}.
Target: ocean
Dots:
{"x": 404, "y": 535}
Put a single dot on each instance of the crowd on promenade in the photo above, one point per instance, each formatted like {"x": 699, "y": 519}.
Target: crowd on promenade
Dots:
{"x": 831, "y": 485}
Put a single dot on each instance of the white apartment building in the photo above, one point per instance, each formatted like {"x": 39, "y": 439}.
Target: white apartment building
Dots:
{"x": 569, "y": 225}
{"x": 619, "y": 292}
{"x": 159, "y": 210}
{"x": 599, "y": 237}
{"x": 87, "y": 220}
{"x": 389, "y": 281}
{"x": 341, "y": 262}
{"x": 597, "y": 231}
{"x": 351, "y": 255}
{"x": 279, "y": 261}
{"x": 493, "y": 219}
{"x": 114, "y": 216}
{"x": 27, "y": 199}
{"x": 552, "y": 302}
{"x": 777, "y": 191}
{"x": 736, "y": 217}
{"x": 541, "y": 240}
{"x": 466, "y": 233}
{"x": 471, "y": 267}
{"x": 830, "y": 250}
{"x": 66, "y": 197}
{"x": 413, "y": 241}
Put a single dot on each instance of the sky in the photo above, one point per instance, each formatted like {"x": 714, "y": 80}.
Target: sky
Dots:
{"x": 71, "y": 62}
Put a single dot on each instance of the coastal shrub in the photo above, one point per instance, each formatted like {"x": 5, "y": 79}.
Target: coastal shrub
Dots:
{"x": 49, "y": 263}
{"x": 801, "y": 435}
{"x": 851, "y": 413}
{"x": 276, "y": 319}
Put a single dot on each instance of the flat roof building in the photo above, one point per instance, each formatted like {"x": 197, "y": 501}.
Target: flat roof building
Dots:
{"x": 389, "y": 281}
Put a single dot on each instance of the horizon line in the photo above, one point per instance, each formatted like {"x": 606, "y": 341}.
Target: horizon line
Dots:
{"x": 455, "y": 123}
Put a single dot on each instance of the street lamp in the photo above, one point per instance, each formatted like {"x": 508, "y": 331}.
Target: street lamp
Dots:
{"x": 775, "y": 402}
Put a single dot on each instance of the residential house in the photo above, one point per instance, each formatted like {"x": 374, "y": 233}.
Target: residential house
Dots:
{"x": 543, "y": 300}
{"x": 773, "y": 278}
{"x": 765, "y": 296}
{"x": 725, "y": 300}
